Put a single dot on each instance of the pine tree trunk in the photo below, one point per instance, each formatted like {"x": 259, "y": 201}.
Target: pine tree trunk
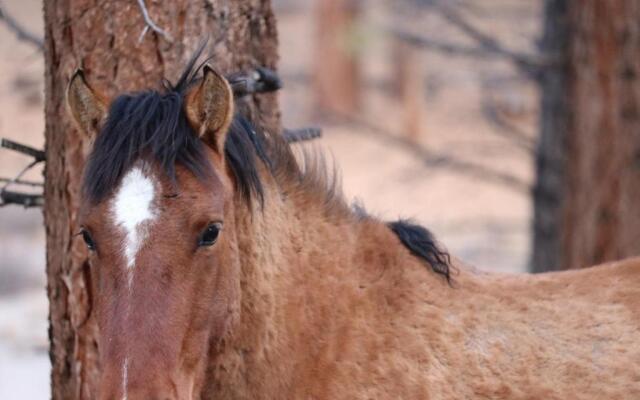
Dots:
{"x": 102, "y": 37}
{"x": 596, "y": 179}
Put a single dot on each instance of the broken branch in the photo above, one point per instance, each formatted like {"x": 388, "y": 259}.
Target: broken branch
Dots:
{"x": 27, "y": 200}
{"x": 301, "y": 135}
{"x": 23, "y": 148}
{"x": 261, "y": 80}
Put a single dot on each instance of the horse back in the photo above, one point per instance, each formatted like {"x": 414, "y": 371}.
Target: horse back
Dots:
{"x": 571, "y": 334}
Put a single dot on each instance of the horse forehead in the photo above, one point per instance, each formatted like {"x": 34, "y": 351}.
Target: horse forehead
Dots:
{"x": 133, "y": 202}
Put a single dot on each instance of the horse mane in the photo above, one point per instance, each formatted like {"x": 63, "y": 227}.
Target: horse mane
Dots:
{"x": 152, "y": 125}
{"x": 421, "y": 243}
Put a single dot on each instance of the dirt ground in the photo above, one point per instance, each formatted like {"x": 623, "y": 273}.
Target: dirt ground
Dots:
{"x": 480, "y": 221}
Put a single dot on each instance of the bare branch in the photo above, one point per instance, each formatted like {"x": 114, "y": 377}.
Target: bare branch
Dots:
{"x": 301, "y": 135}
{"x": 21, "y": 182}
{"x": 439, "y": 160}
{"x": 20, "y": 31}
{"x": 531, "y": 64}
{"x": 27, "y": 200}
{"x": 508, "y": 130}
{"x": 151, "y": 25}
{"x": 23, "y": 148}
{"x": 437, "y": 45}
{"x": 261, "y": 80}
{"x": 17, "y": 178}
{"x": 485, "y": 46}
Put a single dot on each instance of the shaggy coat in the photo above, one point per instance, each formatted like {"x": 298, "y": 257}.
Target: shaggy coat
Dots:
{"x": 225, "y": 267}
{"x": 340, "y": 309}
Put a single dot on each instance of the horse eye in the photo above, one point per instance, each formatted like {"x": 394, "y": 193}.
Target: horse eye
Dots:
{"x": 210, "y": 235}
{"x": 88, "y": 240}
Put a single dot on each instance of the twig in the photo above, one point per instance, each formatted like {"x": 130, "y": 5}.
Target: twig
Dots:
{"x": 438, "y": 160}
{"x": 19, "y": 30}
{"x": 261, "y": 80}
{"x": 151, "y": 25}
{"x": 23, "y": 148}
{"x": 17, "y": 178}
{"x": 301, "y": 135}
{"x": 22, "y": 182}
{"x": 27, "y": 200}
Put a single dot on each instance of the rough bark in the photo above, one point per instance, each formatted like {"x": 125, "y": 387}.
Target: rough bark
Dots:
{"x": 102, "y": 37}
{"x": 596, "y": 217}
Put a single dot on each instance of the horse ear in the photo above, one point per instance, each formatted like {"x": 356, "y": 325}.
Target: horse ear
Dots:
{"x": 86, "y": 106}
{"x": 209, "y": 108}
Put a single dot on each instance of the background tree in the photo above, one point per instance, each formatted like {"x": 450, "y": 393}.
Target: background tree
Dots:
{"x": 336, "y": 75}
{"x": 122, "y": 46}
{"x": 588, "y": 163}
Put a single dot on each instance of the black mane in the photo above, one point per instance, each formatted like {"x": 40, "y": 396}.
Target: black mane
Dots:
{"x": 421, "y": 244}
{"x": 152, "y": 125}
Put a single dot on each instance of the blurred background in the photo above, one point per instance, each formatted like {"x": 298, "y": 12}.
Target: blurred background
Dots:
{"x": 445, "y": 112}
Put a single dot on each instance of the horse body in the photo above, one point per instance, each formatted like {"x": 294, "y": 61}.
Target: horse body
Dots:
{"x": 343, "y": 311}
{"x": 223, "y": 267}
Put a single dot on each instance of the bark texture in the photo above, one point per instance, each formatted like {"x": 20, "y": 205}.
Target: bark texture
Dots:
{"x": 102, "y": 37}
{"x": 587, "y": 199}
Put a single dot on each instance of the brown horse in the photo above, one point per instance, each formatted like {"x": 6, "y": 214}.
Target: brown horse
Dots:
{"x": 224, "y": 268}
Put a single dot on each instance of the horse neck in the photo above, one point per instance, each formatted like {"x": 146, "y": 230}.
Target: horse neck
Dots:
{"x": 289, "y": 251}
{"x": 297, "y": 257}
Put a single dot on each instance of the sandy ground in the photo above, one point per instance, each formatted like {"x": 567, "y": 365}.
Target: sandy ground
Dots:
{"x": 481, "y": 222}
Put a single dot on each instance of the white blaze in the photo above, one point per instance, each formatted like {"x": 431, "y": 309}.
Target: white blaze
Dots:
{"x": 125, "y": 378}
{"x": 132, "y": 207}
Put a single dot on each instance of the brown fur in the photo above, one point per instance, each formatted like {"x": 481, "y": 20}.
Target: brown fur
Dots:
{"x": 305, "y": 299}
{"x": 340, "y": 310}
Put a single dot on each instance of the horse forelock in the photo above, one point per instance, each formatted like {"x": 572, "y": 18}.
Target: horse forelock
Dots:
{"x": 150, "y": 126}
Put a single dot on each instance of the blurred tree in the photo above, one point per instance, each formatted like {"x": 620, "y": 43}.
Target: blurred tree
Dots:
{"x": 588, "y": 163}
{"x": 407, "y": 85}
{"x": 336, "y": 65}
{"x": 122, "y": 47}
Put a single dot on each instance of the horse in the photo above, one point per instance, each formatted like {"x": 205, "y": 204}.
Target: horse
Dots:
{"x": 225, "y": 265}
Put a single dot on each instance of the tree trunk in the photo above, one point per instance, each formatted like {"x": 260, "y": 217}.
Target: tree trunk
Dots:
{"x": 550, "y": 156}
{"x": 407, "y": 85}
{"x": 587, "y": 201}
{"x": 102, "y": 37}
